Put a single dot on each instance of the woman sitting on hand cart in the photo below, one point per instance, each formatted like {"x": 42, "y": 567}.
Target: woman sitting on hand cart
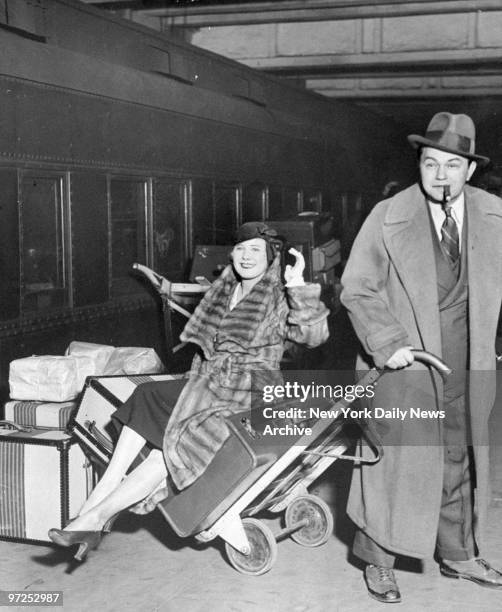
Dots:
{"x": 240, "y": 326}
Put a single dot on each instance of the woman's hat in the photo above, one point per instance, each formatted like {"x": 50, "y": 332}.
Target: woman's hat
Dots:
{"x": 258, "y": 229}
{"x": 451, "y": 133}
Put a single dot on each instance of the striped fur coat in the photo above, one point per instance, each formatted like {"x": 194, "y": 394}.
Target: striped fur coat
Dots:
{"x": 233, "y": 343}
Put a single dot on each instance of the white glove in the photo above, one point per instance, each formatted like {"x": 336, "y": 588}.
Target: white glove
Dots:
{"x": 293, "y": 275}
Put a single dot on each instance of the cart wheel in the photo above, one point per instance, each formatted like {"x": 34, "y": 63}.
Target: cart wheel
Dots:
{"x": 263, "y": 549}
{"x": 320, "y": 520}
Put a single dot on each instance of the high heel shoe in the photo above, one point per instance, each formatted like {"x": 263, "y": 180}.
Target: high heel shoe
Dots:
{"x": 107, "y": 527}
{"x": 88, "y": 540}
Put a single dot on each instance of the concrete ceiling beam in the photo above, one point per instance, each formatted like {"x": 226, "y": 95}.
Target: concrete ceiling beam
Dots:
{"x": 199, "y": 16}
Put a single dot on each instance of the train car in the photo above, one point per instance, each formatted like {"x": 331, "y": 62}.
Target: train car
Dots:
{"x": 119, "y": 145}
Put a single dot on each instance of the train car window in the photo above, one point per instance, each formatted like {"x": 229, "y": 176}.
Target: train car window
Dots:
{"x": 284, "y": 202}
{"x": 226, "y": 212}
{"x": 202, "y": 212}
{"x": 292, "y": 200}
{"x": 9, "y": 239}
{"x": 128, "y": 201}
{"x": 275, "y": 209}
{"x": 89, "y": 224}
{"x": 25, "y": 16}
{"x": 312, "y": 200}
{"x": 216, "y": 212}
{"x": 170, "y": 220}
{"x": 44, "y": 282}
{"x": 327, "y": 203}
{"x": 253, "y": 202}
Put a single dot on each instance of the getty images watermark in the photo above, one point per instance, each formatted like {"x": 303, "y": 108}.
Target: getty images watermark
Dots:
{"x": 296, "y": 393}
{"x": 294, "y": 405}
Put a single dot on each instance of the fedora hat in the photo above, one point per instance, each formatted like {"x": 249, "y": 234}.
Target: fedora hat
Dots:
{"x": 451, "y": 133}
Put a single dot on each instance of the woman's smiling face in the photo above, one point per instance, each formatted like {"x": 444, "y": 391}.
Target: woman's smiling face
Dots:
{"x": 250, "y": 258}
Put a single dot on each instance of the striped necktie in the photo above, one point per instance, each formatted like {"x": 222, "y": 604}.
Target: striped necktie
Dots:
{"x": 449, "y": 236}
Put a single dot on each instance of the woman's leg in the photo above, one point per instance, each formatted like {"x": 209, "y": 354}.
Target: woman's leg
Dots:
{"x": 132, "y": 489}
{"x": 128, "y": 446}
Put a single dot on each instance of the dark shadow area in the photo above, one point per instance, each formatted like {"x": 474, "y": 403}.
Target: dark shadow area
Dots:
{"x": 155, "y": 523}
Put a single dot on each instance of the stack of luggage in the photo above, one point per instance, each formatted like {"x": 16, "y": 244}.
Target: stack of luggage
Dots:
{"x": 45, "y": 474}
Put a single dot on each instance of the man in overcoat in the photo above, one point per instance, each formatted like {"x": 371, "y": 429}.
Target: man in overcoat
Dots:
{"x": 425, "y": 271}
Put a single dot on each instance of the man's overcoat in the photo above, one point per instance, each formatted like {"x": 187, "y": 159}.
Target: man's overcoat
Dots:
{"x": 390, "y": 291}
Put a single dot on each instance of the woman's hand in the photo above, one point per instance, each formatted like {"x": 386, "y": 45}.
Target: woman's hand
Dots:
{"x": 293, "y": 275}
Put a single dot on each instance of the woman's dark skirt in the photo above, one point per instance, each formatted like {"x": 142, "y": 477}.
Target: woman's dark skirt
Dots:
{"x": 149, "y": 408}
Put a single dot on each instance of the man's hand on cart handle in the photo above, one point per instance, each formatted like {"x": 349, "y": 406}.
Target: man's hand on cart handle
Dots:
{"x": 401, "y": 358}
{"x": 406, "y": 355}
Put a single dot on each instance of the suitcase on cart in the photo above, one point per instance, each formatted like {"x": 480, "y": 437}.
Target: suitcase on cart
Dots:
{"x": 236, "y": 465}
{"x": 45, "y": 478}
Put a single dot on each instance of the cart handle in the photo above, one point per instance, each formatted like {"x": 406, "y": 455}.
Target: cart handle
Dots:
{"x": 162, "y": 286}
{"x": 432, "y": 360}
{"x": 371, "y": 377}
{"x": 156, "y": 279}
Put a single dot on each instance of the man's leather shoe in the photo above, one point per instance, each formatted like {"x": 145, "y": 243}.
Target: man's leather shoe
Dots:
{"x": 382, "y": 584}
{"x": 476, "y": 570}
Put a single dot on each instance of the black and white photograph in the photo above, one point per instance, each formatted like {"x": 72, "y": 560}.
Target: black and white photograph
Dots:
{"x": 250, "y": 311}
